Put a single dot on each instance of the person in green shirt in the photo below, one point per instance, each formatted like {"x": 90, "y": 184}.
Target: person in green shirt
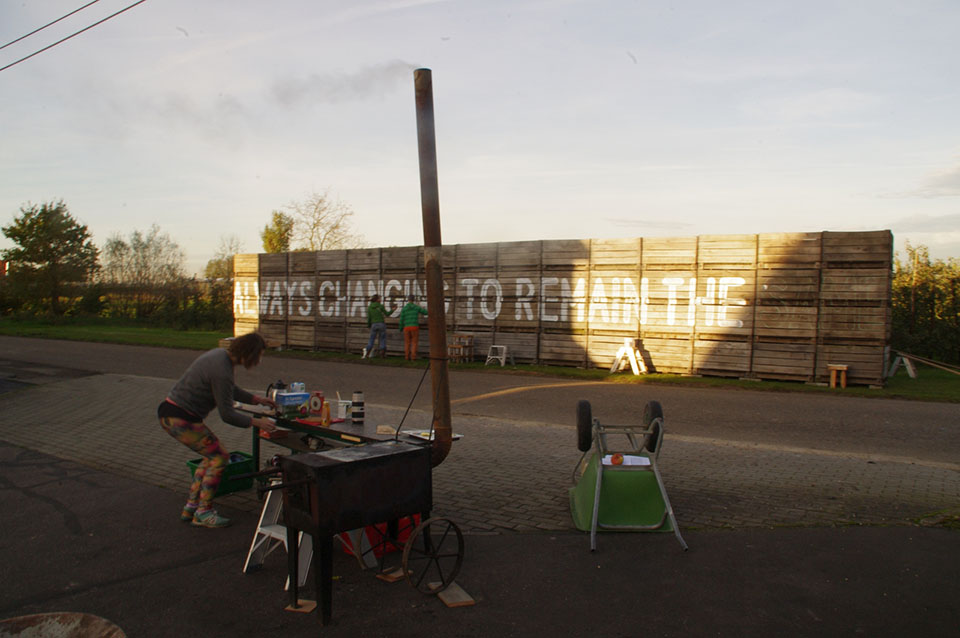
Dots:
{"x": 410, "y": 325}
{"x": 377, "y": 322}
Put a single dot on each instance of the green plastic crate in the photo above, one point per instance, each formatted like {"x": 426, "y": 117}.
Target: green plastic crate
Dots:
{"x": 240, "y": 463}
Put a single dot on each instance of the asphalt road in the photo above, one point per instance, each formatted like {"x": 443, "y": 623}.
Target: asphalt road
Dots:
{"x": 921, "y": 431}
{"x": 781, "y": 472}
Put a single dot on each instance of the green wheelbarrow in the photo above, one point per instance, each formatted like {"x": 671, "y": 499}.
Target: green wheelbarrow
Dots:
{"x": 616, "y": 484}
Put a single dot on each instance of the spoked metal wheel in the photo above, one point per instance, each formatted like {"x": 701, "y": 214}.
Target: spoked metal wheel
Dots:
{"x": 378, "y": 541}
{"x": 433, "y": 555}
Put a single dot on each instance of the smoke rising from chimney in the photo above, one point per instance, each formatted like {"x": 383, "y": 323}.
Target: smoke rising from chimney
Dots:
{"x": 335, "y": 88}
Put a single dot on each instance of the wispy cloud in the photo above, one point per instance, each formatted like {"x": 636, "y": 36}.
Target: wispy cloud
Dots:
{"x": 943, "y": 184}
{"x": 927, "y": 224}
{"x": 334, "y": 88}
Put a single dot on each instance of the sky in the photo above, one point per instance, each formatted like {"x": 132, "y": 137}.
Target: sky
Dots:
{"x": 555, "y": 119}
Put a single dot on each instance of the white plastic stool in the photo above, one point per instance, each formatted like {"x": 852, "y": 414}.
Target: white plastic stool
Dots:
{"x": 497, "y": 353}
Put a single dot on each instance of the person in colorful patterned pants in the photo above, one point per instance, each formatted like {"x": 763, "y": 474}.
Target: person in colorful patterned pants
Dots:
{"x": 207, "y": 384}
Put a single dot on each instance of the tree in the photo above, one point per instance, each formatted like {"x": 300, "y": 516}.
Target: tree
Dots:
{"x": 926, "y": 305}
{"x": 276, "y": 235}
{"x": 53, "y": 251}
{"x": 221, "y": 266}
{"x": 321, "y": 223}
{"x": 142, "y": 269}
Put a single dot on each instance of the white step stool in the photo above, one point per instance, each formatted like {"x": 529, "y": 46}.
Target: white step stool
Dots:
{"x": 272, "y": 534}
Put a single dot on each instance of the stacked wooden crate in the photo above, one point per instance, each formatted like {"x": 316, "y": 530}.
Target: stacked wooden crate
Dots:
{"x": 401, "y": 271}
{"x": 363, "y": 276}
{"x": 788, "y": 290}
{"x": 331, "y": 290}
{"x": 246, "y": 294}
{"x": 273, "y": 297}
{"x": 613, "y": 290}
{"x": 769, "y": 306}
{"x": 473, "y": 266}
{"x": 301, "y": 300}
{"x": 563, "y": 333}
{"x": 517, "y": 324}
{"x": 726, "y": 291}
{"x": 854, "y": 322}
{"x": 666, "y": 331}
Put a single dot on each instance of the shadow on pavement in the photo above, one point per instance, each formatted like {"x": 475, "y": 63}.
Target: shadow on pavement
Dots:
{"x": 78, "y": 539}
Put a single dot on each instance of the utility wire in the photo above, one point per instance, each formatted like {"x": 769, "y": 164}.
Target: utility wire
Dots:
{"x": 4, "y": 68}
{"x": 48, "y": 24}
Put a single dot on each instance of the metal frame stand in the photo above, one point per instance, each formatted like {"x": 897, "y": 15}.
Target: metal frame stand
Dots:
{"x": 643, "y": 442}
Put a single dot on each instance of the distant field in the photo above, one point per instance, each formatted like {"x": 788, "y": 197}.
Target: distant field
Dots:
{"x": 932, "y": 384}
{"x": 111, "y": 332}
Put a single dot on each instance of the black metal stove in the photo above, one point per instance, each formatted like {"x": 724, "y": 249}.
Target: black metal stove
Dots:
{"x": 329, "y": 492}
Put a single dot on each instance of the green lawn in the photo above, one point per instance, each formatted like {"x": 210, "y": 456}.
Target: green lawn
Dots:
{"x": 932, "y": 384}
{"x": 112, "y": 332}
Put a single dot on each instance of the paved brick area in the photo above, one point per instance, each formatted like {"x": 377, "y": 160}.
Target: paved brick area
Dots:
{"x": 505, "y": 475}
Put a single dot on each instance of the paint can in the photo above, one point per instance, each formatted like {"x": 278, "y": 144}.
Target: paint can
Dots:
{"x": 316, "y": 403}
{"x": 356, "y": 412}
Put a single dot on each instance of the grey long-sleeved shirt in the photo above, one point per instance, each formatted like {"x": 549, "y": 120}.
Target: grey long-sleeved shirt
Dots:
{"x": 207, "y": 384}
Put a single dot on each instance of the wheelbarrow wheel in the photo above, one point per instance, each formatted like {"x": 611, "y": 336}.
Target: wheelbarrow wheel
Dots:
{"x": 584, "y": 425}
{"x": 433, "y": 555}
{"x": 653, "y": 419}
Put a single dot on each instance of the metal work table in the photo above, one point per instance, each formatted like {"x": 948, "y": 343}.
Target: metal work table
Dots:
{"x": 337, "y": 434}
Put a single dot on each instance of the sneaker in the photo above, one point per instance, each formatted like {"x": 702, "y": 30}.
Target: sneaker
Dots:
{"x": 210, "y": 518}
{"x": 187, "y": 514}
{"x": 364, "y": 355}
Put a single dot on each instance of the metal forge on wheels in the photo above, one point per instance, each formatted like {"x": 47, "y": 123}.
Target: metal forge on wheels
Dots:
{"x": 326, "y": 493}
{"x": 619, "y": 487}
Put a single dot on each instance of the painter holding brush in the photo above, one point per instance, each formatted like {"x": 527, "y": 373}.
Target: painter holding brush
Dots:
{"x": 207, "y": 384}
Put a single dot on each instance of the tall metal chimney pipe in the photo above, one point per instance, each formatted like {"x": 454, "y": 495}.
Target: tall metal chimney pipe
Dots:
{"x": 432, "y": 251}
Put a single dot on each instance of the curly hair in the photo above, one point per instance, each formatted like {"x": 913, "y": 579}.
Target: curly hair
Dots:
{"x": 246, "y": 349}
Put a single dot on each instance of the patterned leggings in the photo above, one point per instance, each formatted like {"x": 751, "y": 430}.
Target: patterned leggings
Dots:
{"x": 200, "y": 439}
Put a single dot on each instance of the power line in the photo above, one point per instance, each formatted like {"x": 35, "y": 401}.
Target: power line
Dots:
{"x": 4, "y": 68}
{"x": 48, "y": 24}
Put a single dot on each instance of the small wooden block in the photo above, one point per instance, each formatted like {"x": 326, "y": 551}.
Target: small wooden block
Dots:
{"x": 392, "y": 575}
{"x": 454, "y": 596}
{"x": 303, "y": 606}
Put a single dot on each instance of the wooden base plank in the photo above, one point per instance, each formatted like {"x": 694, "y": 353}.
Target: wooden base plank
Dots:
{"x": 303, "y": 606}
{"x": 454, "y": 596}
{"x": 392, "y": 575}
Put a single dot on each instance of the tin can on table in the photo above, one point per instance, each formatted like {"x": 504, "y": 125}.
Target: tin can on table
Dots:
{"x": 356, "y": 412}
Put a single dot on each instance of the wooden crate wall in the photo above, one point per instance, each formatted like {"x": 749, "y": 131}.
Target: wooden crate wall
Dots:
{"x": 787, "y": 306}
{"x": 768, "y": 306}
{"x": 666, "y": 332}
{"x": 246, "y": 294}
{"x": 726, "y": 290}
{"x": 854, "y": 321}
